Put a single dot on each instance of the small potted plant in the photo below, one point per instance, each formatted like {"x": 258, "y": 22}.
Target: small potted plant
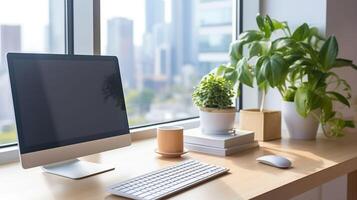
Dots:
{"x": 213, "y": 96}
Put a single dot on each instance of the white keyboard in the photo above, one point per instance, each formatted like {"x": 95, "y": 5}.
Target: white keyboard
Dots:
{"x": 166, "y": 181}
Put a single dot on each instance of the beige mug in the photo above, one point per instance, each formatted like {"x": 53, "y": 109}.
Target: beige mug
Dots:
{"x": 170, "y": 139}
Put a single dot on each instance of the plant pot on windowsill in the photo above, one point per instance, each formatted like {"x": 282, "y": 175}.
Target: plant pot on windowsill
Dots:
{"x": 266, "y": 124}
{"x": 217, "y": 121}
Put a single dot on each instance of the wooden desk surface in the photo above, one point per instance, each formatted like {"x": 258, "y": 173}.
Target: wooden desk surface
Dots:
{"x": 315, "y": 162}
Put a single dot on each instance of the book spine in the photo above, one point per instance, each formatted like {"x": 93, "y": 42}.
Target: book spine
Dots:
{"x": 245, "y": 139}
{"x": 220, "y": 151}
{"x": 206, "y": 142}
{"x": 206, "y": 150}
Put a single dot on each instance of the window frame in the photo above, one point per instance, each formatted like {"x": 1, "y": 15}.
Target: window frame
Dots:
{"x": 9, "y": 152}
{"x": 8, "y": 148}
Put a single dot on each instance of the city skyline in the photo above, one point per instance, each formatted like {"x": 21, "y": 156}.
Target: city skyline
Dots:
{"x": 33, "y": 31}
{"x": 120, "y": 34}
{"x": 173, "y": 55}
{"x": 170, "y": 58}
{"x": 194, "y": 38}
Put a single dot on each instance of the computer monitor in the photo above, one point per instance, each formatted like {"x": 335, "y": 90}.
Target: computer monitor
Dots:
{"x": 67, "y": 106}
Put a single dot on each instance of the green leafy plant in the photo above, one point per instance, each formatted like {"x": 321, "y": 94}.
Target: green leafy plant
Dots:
{"x": 213, "y": 92}
{"x": 299, "y": 64}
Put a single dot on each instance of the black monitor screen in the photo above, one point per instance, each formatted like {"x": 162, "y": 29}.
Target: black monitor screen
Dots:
{"x": 64, "y": 99}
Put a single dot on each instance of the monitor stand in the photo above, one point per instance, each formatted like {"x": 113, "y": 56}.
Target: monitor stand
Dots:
{"x": 76, "y": 169}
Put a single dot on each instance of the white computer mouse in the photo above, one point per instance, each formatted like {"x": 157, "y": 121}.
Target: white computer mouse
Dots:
{"x": 275, "y": 161}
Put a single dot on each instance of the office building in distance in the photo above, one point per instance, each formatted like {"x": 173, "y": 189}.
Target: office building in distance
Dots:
{"x": 215, "y": 33}
{"x": 120, "y": 35}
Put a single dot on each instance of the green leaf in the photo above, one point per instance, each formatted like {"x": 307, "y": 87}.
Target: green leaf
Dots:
{"x": 289, "y": 95}
{"x": 340, "y": 62}
{"x": 219, "y": 71}
{"x": 244, "y": 74}
{"x": 258, "y": 72}
{"x": 267, "y": 29}
{"x": 231, "y": 76}
{"x": 349, "y": 123}
{"x": 236, "y": 47}
{"x": 316, "y": 80}
{"x": 292, "y": 58}
{"x": 301, "y": 98}
{"x": 295, "y": 72}
{"x": 263, "y": 86}
{"x": 255, "y": 49}
{"x": 282, "y": 43}
{"x": 278, "y": 25}
{"x": 235, "y": 52}
{"x": 340, "y": 98}
{"x": 328, "y": 53}
{"x": 260, "y": 22}
{"x": 327, "y": 108}
{"x": 314, "y": 32}
{"x": 301, "y": 33}
{"x": 270, "y": 22}
{"x": 310, "y": 51}
{"x": 250, "y": 36}
{"x": 229, "y": 73}
{"x": 306, "y": 100}
{"x": 275, "y": 70}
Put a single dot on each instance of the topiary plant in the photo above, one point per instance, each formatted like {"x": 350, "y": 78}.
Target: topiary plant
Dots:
{"x": 213, "y": 92}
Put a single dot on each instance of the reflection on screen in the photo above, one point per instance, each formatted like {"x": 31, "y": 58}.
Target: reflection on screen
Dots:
{"x": 65, "y": 101}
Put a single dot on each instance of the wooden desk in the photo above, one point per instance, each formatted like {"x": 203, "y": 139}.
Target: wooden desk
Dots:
{"x": 315, "y": 162}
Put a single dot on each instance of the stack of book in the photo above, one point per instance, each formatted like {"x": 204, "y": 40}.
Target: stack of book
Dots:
{"x": 219, "y": 145}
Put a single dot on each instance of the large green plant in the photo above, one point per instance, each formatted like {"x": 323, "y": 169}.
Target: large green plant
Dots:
{"x": 213, "y": 92}
{"x": 299, "y": 64}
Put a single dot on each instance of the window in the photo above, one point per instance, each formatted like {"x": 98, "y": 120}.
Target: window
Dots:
{"x": 215, "y": 42}
{"x": 164, "y": 47}
{"x": 215, "y": 13}
{"x": 35, "y": 26}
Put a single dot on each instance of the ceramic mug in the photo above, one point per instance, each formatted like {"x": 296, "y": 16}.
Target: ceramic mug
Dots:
{"x": 170, "y": 139}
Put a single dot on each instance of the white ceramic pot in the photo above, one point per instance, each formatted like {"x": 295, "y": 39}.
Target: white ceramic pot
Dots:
{"x": 217, "y": 121}
{"x": 299, "y": 127}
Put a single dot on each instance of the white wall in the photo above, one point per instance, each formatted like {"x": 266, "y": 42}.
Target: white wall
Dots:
{"x": 342, "y": 22}
{"x": 295, "y": 12}
{"x": 333, "y": 17}
{"x": 337, "y": 17}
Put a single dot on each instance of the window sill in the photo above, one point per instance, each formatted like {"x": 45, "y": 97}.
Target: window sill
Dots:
{"x": 11, "y": 154}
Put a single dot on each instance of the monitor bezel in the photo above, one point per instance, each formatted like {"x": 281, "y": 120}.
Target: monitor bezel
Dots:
{"x": 99, "y": 136}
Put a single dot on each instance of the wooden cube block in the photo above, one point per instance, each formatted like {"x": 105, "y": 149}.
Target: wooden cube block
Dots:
{"x": 266, "y": 124}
